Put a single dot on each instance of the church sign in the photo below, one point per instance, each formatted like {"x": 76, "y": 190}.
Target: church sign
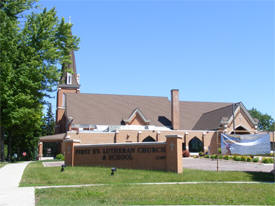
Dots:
{"x": 146, "y": 155}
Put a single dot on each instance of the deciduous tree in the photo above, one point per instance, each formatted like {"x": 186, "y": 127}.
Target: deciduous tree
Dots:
{"x": 266, "y": 122}
{"x": 32, "y": 45}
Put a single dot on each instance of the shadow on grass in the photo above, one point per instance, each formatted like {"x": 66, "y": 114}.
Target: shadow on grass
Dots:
{"x": 261, "y": 176}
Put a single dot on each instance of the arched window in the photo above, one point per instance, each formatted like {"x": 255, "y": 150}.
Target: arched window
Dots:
{"x": 149, "y": 139}
{"x": 195, "y": 145}
{"x": 240, "y": 130}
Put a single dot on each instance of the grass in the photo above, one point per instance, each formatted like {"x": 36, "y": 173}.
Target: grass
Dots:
{"x": 37, "y": 175}
{"x": 2, "y": 164}
{"x": 210, "y": 194}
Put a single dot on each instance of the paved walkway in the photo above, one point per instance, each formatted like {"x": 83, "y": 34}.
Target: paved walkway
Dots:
{"x": 10, "y": 193}
{"x": 152, "y": 183}
{"x": 225, "y": 165}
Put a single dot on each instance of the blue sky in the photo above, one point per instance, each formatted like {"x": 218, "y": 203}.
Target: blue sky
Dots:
{"x": 217, "y": 50}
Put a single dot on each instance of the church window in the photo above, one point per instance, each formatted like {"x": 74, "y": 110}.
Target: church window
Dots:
{"x": 63, "y": 100}
{"x": 195, "y": 145}
{"x": 69, "y": 78}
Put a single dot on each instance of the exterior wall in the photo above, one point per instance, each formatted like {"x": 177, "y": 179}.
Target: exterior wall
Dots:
{"x": 60, "y": 118}
{"x": 152, "y": 156}
{"x": 137, "y": 120}
{"x": 241, "y": 120}
{"x": 130, "y": 136}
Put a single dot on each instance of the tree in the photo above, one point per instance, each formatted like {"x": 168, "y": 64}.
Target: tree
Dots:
{"x": 32, "y": 46}
{"x": 48, "y": 122}
{"x": 266, "y": 122}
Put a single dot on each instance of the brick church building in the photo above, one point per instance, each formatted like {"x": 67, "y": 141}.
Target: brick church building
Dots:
{"x": 109, "y": 118}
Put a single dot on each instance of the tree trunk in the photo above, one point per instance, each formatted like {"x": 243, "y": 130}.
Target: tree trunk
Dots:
{"x": 2, "y": 156}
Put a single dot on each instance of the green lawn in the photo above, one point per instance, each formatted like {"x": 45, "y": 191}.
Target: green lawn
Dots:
{"x": 213, "y": 194}
{"x": 37, "y": 175}
{"x": 2, "y": 164}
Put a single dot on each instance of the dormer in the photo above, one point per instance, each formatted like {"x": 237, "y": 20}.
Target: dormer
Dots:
{"x": 136, "y": 118}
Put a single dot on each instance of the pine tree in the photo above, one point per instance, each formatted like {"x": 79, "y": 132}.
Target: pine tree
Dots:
{"x": 48, "y": 124}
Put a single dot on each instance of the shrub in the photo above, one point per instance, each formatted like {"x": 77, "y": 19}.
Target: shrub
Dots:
{"x": 237, "y": 158}
{"x": 255, "y": 159}
{"x": 206, "y": 156}
{"x": 214, "y": 156}
{"x": 267, "y": 160}
{"x": 248, "y": 159}
{"x": 226, "y": 157}
{"x": 220, "y": 157}
{"x": 185, "y": 153}
{"x": 59, "y": 157}
{"x": 201, "y": 154}
{"x": 220, "y": 150}
{"x": 243, "y": 158}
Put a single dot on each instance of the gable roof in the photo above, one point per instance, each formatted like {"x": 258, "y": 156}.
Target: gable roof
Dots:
{"x": 215, "y": 116}
{"x": 109, "y": 109}
{"x": 134, "y": 113}
{"x": 103, "y": 109}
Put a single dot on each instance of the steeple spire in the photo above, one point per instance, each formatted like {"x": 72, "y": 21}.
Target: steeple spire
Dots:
{"x": 69, "y": 78}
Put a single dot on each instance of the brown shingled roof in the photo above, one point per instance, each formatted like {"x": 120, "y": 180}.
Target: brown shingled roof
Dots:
{"x": 51, "y": 138}
{"x": 212, "y": 119}
{"x": 106, "y": 109}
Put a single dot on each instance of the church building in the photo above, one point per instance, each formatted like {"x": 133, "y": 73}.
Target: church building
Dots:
{"x": 110, "y": 118}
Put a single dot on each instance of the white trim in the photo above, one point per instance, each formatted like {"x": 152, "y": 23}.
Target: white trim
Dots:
{"x": 120, "y": 144}
{"x": 241, "y": 106}
{"x": 136, "y": 111}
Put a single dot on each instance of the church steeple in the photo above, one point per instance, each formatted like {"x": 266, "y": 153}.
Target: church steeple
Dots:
{"x": 69, "y": 83}
{"x": 69, "y": 78}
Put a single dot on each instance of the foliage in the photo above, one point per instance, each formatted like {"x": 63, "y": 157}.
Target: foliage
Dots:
{"x": 248, "y": 159}
{"x": 266, "y": 122}
{"x": 48, "y": 122}
{"x": 243, "y": 158}
{"x": 237, "y": 158}
{"x": 267, "y": 160}
{"x": 59, "y": 157}
{"x": 32, "y": 46}
{"x": 226, "y": 157}
{"x": 206, "y": 156}
{"x": 214, "y": 156}
{"x": 255, "y": 159}
{"x": 185, "y": 153}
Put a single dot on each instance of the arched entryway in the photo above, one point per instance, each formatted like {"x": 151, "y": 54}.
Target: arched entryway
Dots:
{"x": 195, "y": 145}
{"x": 240, "y": 130}
{"x": 149, "y": 139}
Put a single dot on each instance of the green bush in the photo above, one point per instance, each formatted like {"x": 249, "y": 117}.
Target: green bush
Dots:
{"x": 243, "y": 158}
{"x": 220, "y": 157}
{"x": 255, "y": 159}
{"x": 226, "y": 157}
{"x": 248, "y": 159}
{"x": 206, "y": 156}
{"x": 214, "y": 156}
{"x": 59, "y": 157}
{"x": 267, "y": 160}
{"x": 237, "y": 158}
{"x": 220, "y": 150}
{"x": 201, "y": 154}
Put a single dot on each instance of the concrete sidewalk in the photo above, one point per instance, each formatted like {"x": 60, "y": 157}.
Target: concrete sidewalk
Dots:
{"x": 10, "y": 193}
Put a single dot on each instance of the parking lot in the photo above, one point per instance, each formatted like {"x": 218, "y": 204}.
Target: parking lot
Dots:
{"x": 225, "y": 165}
